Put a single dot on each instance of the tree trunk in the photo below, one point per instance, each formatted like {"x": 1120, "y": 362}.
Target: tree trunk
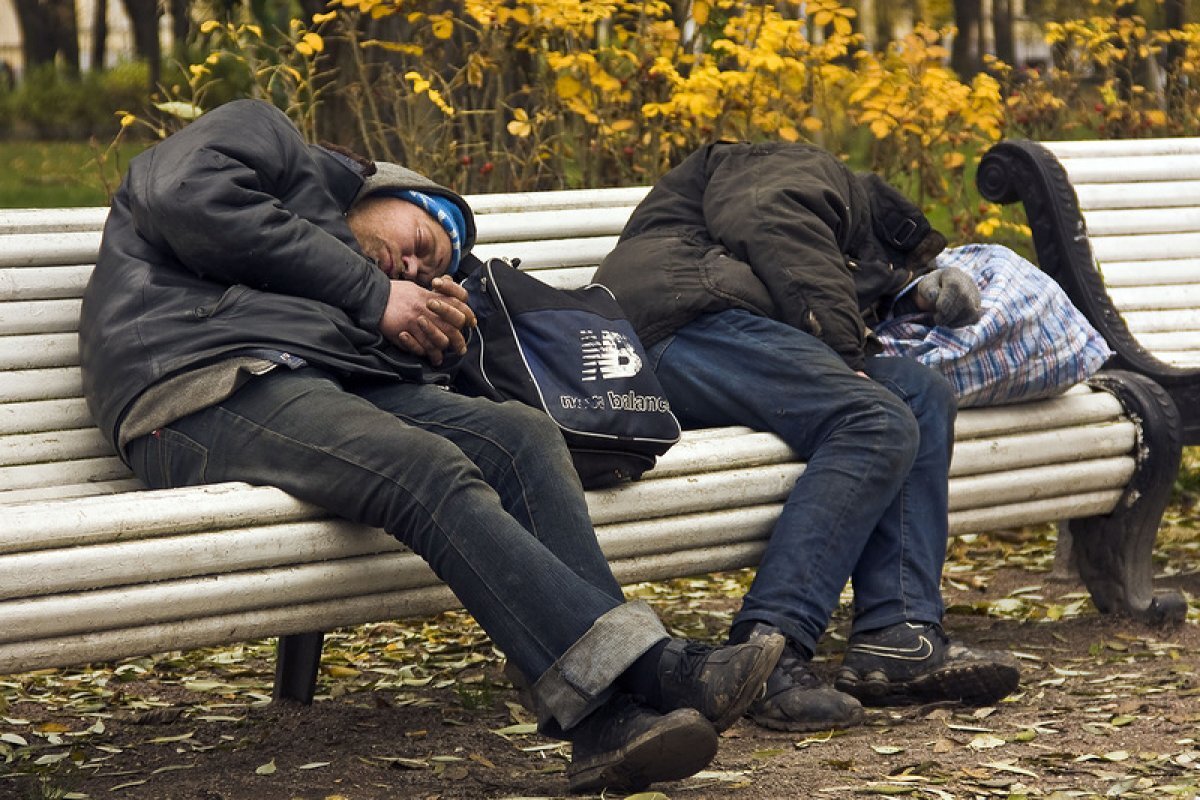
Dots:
{"x": 1002, "y": 31}
{"x": 965, "y": 58}
{"x": 49, "y": 33}
{"x": 143, "y": 17}
{"x": 181, "y": 25}
{"x": 99, "y": 34}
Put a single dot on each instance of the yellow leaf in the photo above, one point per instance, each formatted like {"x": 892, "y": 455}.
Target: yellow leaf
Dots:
{"x": 319, "y": 18}
{"x": 880, "y": 128}
{"x": 209, "y": 25}
{"x": 812, "y": 124}
{"x": 953, "y": 160}
{"x": 443, "y": 28}
{"x": 789, "y": 134}
{"x": 343, "y": 672}
{"x": 622, "y": 125}
{"x": 314, "y": 41}
{"x": 128, "y": 120}
{"x": 700, "y": 10}
{"x": 568, "y": 86}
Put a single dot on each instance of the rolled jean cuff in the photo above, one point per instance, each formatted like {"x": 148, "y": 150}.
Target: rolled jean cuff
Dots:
{"x": 580, "y": 680}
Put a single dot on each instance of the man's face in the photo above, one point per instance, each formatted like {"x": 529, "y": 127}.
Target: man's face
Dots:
{"x": 406, "y": 241}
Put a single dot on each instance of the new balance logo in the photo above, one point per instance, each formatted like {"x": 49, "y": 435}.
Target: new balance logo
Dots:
{"x": 608, "y": 354}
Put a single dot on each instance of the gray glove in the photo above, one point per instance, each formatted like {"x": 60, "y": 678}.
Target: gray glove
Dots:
{"x": 952, "y": 296}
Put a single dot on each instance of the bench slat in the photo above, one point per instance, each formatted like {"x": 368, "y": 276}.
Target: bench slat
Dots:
{"x": 1132, "y": 169}
{"x": 568, "y": 199}
{"x": 547, "y": 254}
{"x": 1148, "y": 247}
{"x": 21, "y": 385}
{"x": 1140, "y": 322}
{"x": 53, "y": 446}
{"x": 1138, "y": 222}
{"x": 45, "y": 283}
{"x": 1079, "y": 405}
{"x": 534, "y": 225}
{"x": 44, "y": 415}
{"x": 1150, "y": 273}
{"x": 28, "y": 461}
{"x": 51, "y": 248}
{"x": 1156, "y": 298}
{"x": 1108, "y": 148}
{"x": 62, "y": 491}
{"x": 1151, "y": 194}
{"x": 41, "y": 220}
{"x": 89, "y": 470}
{"x": 39, "y": 350}
{"x": 39, "y": 316}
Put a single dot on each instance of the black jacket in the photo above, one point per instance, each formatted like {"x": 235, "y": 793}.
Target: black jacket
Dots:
{"x": 227, "y": 237}
{"x": 782, "y": 230}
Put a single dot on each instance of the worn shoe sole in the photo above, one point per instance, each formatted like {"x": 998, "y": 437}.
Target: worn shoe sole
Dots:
{"x": 971, "y": 683}
{"x": 772, "y": 649}
{"x": 679, "y": 745}
{"x": 849, "y": 717}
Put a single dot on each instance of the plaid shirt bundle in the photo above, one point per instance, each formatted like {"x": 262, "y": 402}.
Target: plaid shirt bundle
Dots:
{"x": 1031, "y": 342}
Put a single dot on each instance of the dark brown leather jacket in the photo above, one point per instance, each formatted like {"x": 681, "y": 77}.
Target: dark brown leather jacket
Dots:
{"x": 782, "y": 230}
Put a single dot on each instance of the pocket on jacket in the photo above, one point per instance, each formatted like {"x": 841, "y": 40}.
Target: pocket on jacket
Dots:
{"x": 227, "y": 299}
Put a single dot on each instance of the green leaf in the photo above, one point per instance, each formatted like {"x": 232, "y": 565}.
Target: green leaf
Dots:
{"x": 266, "y": 769}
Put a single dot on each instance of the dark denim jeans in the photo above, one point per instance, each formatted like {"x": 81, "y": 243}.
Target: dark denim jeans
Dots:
{"x": 871, "y": 505}
{"x": 484, "y": 492}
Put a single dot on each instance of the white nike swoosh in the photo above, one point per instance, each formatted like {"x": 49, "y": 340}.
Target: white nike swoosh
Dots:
{"x": 922, "y": 651}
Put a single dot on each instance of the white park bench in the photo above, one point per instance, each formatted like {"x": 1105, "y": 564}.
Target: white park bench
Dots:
{"x": 1117, "y": 223}
{"x": 94, "y": 567}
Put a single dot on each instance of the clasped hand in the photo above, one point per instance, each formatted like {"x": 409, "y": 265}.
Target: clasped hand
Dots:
{"x": 427, "y": 322}
{"x": 952, "y": 296}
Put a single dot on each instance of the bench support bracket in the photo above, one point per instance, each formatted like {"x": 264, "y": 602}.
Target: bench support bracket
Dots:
{"x": 1025, "y": 171}
{"x": 1113, "y": 553}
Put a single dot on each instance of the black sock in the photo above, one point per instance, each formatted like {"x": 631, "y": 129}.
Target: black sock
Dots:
{"x": 641, "y": 678}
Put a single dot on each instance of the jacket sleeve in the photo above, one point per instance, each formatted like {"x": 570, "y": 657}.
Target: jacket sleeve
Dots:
{"x": 219, "y": 197}
{"x": 788, "y": 214}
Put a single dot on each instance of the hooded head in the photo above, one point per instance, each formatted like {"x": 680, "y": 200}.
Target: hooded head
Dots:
{"x": 448, "y": 209}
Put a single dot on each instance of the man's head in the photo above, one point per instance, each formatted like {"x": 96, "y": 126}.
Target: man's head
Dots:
{"x": 406, "y": 240}
{"x": 413, "y": 232}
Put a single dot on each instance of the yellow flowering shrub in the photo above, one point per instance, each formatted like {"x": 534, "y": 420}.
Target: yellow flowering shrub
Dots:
{"x": 539, "y": 94}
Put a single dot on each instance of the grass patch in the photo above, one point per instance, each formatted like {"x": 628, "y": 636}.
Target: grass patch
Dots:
{"x": 60, "y": 174}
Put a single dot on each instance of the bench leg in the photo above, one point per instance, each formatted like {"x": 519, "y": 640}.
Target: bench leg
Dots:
{"x": 1114, "y": 553}
{"x": 297, "y": 659}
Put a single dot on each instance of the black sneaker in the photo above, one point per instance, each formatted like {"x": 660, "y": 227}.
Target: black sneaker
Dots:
{"x": 626, "y": 747}
{"x": 916, "y": 663}
{"x": 797, "y": 700}
{"x": 719, "y": 682}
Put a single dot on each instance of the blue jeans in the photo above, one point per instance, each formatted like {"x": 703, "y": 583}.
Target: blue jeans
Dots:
{"x": 484, "y": 492}
{"x": 871, "y": 505}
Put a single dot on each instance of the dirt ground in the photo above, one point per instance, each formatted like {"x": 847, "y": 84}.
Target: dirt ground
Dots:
{"x": 1107, "y": 708}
